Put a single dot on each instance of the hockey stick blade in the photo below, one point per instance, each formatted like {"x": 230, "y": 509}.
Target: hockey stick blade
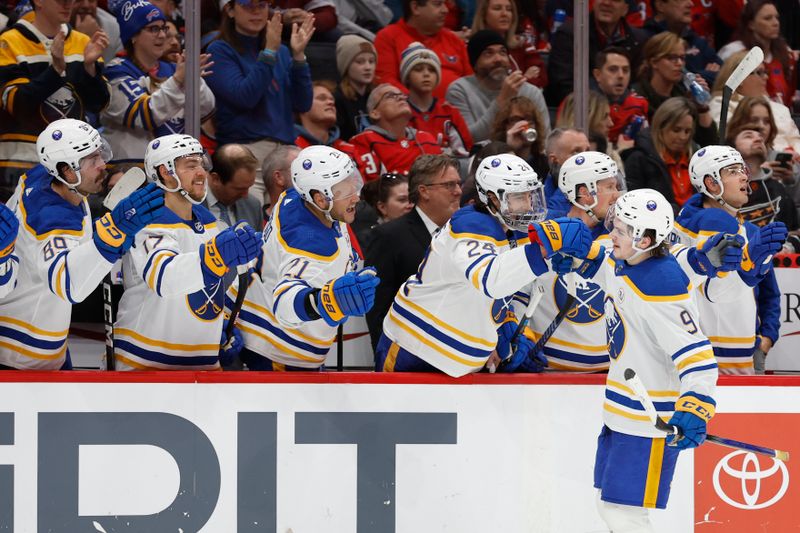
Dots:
{"x": 128, "y": 183}
{"x": 747, "y": 65}
{"x": 641, "y": 392}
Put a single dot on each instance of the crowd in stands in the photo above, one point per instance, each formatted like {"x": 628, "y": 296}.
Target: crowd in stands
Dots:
{"x": 392, "y": 82}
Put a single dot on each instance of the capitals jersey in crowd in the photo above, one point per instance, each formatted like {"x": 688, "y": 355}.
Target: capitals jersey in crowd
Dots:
{"x": 170, "y": 315}
{"x": 145, "y": 106}
{"x": 652, "y": 327}
{"x": 378, "y": 152}
{"x": 59, "y": 265}
{"x": 733, "y": 335}
{"x": 448, "y": 312}
{"x": 579, "y": 342}
{"x": 300, "y": 253}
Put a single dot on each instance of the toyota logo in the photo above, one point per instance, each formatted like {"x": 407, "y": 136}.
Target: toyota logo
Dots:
{"x": 750, "y": 475}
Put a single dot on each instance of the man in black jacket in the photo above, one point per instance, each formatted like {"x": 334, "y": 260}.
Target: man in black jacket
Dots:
{"x": 607, "y": 27}
{"x": 398, "y": 247}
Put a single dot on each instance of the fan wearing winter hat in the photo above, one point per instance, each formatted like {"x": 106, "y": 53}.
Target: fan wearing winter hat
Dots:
{"x": 420, "y": 72}
{"x": 147, "y": 94}
{"x": 355, "y": 59}
{"x": 479, "y": 97}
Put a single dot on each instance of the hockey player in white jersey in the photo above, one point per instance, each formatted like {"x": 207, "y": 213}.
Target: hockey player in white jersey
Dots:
{"x": 592, "y": 183}
{"x": 720, "y": 176}
{"x": 170, "y": 316}
{"x": 652, "y": 327}
{"x": 9, "y": 225}
{"x": 308, "y": 284}
{"x": 61, "y": 258}
{"x": 459, "y": 306}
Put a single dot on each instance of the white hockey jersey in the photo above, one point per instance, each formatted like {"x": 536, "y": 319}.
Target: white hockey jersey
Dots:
{"x": 733, "y": 335}
{"x": 170, "y": 315}
{"x": 448, "y": 312}
{"x": 300, "y": 254}
{"x": 59, "y": 265}
{"x": 579, "y": 342}
{"x": 8, "y": 275}
{"x": 142, "y": 109}
{"x": 652, "y": 327}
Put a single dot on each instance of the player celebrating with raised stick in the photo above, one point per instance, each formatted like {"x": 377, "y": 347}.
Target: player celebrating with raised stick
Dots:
{"x": 170, "y": 315}
{"x": 308, "y": 280}
{"x": 61, "y": 258}
{"x": 652, "y": 321}
{"x": 720, "y": 176}
{"x": 458, "y": 308}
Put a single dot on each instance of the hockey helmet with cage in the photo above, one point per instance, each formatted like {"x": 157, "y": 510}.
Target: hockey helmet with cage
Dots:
{"x": 166, "y": 150}
{"x": 327, "y": 170}
{"x": 516, "y": 186}
{"x": 586, "y": 169}
{"x": 709, "y": 161}
{"x": 70, "y": 141}
{"x": 637, "y": 211}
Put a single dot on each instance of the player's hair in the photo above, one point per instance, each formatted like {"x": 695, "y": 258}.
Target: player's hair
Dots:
{"x": 741, "y": 120}
{"x": 425, "y": 169}
{"x": 479, "y": 22}
{"x": 229, "y": 158}
{"x": 276, "y": 160}
{"x": 656, "y": 48}
{"x": 525, "y": 107}
{"x": 602, "y": 56}
{"x": 662, "y": 250}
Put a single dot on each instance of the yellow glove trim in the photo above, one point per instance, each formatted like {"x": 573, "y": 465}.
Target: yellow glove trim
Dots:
{"x": 553, "y": 233}
{"x": 328, "y": 300}
{"x": 695, "y": 406}
{"x": 8, "y": 249}
{"x": 108, "y": 232}
{"x": 213, "y": 260}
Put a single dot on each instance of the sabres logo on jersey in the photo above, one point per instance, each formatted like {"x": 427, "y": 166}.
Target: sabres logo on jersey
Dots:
{"x": 615, "y": 329}
{"x": 500, "y": 310}
{"x": 205, "y": 306}
{"x": 588, "y": 306}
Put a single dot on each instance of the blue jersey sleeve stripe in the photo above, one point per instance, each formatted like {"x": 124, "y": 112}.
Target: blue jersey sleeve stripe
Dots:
{"x": 485, "y": 278}
{"x": 689, "y": 348}
{"x": 50, "y": 272}
{"x": 158, "y": 357}
{"x": 162, "y": 268}
{"x": 67, "y": 292}
{"x": 697, "y": 369}
{"x": 636, "y": 404}
{"x": 475, "y": 263}
{"x": 28, "y": 340}
{"x": 602, "y": 358}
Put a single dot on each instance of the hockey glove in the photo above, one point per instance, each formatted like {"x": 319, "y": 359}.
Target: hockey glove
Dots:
{"x": 757, "y": 254}
{"x": 523, "y": 358}
{"x": 114, "y": 231}
{"x": 504, "y": 334}
{"x": 350, "y": 295}
{"x": 228, "y": 353}
{"x": 533, "y": 253}
{"x": 692, "y": 413}
{"x": 722, "y": 252}
{"x": 9, "y": 225}
{"x": 566, "y": 235}
{"x": 586, "y": 268}
{"x": 231, "y": 247}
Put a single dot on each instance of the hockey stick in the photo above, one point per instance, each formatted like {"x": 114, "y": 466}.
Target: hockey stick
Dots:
{"x": 746, "y": 66}
{"x": 533, "y": 302}
{"x": 641, "y": 392}
{"x": 128, "y": 183}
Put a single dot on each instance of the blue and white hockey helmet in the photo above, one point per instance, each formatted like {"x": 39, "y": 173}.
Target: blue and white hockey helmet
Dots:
{"x": 166, "y": 150}
{"x": 586, "y": 169}
{"x": 637, "y": 211}
{"x": 72, "y": 142}
{"x": 709, "y": 161}
{"x": 327, "y": 170}
{"x": 516, "y": 186}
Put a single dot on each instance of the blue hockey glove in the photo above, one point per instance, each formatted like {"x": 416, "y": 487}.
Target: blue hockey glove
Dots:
{"x": 523, "y": 358}
{"x": 9, "y": 225}
{"x": 722, "y": 252}
{"x": 232, "y": 247}
{"x": 757, "y": 254}
{"x": 350, "y": 295}
{"x": 228, "y": 353}
{"x": 586, "y": 268}
{"x": 114, "y": 231}
{"x": 692, "y": 413}
{"x": 504, "y": 334}
{"x": 566, "y": 235}
{"x": 533, "y": 253}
